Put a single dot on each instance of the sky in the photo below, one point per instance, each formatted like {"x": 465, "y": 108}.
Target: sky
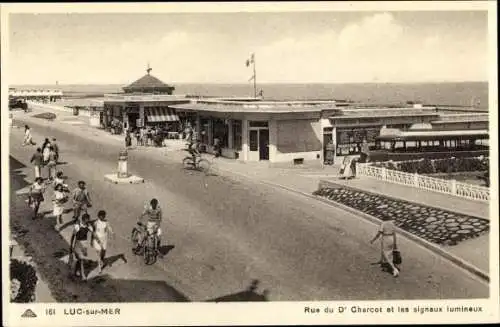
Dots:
{"x": 289, "y": 47}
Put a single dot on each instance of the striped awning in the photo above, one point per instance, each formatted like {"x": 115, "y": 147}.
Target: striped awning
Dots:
{"x": 160, "y": 114}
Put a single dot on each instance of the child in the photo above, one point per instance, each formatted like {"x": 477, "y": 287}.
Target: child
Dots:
{"x": 60, "y": 198}
{"x": 102, "y": 230}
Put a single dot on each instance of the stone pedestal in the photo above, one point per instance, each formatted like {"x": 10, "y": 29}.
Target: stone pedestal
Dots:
{"x": 123, "y": 176}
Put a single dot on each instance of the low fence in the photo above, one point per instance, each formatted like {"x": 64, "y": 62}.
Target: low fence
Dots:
{"x": 465, "y": 190}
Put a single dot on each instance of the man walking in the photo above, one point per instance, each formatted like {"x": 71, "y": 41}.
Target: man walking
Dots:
{"x": 55, "y": 148}
{"x": 81, "y": 200}
{"x": 37, "y": 160}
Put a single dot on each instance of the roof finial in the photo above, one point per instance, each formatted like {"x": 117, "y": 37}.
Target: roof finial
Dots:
{"x": 149, "y": 69}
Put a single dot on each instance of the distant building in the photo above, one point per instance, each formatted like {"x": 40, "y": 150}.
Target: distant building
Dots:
{"x": 42, "y": 95}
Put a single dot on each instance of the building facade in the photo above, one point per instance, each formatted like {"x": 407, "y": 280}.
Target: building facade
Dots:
{"x": 293, "y": 132}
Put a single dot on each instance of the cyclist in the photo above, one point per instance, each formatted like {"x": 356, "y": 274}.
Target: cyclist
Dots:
{"x": 194, "y": 150}
{"x": 153, "y": 215}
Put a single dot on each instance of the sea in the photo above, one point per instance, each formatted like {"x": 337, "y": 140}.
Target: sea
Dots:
{"x": 454, "y": 94}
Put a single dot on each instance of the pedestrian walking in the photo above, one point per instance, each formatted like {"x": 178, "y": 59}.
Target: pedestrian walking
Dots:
{"x": 60, "y": 198}
{"x": 102, "y": 231}
{"x": 388, "y": 245}
{"x": 365, "y": 152}
{"x": 37, "y": 161}
{"x": 59, "y": 180}
{"x": 51, "y": 163}
{"x": 138, "y": 136}
{"x": 149, "y": 137}
{"x": 55, "y": 147}
{"x": 45, "y": 144}
{"x": 81, "y": 200}
{"x": 79, "y": 245}
{"x": 142, "y": 133}
{"x": 128, "y": 140}
{"x": 35, "y": 195}
{"x": 28, "y": 138}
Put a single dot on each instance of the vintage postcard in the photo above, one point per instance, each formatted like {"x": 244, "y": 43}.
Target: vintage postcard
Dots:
{"x": 249, "y": 163}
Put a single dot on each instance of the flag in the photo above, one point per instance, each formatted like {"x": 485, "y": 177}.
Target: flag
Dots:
{"x": 251, "y": 60}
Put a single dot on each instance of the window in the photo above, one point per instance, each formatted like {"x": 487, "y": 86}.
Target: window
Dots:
{"x": 258, "y": 124}
{"x": 254, "y": 141}
{"x": 237, "y": 130}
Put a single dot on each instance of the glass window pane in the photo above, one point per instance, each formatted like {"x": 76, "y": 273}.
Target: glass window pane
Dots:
{"x": 254, "y": 141}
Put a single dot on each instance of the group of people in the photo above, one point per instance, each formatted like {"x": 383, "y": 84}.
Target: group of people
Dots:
{"x": 87, "y": 234}
{"x": 46, "y": 156}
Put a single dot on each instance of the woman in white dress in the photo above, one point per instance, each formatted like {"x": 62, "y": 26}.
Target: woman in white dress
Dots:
{"x": 388, "y": 243}
{"x": 102, "y": 230}
{"x": 60, "y": 198}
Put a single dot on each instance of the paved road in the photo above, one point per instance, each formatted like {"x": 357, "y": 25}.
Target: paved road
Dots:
{"x": 227, "y": 233}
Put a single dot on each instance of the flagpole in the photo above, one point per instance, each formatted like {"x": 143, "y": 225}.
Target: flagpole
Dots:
{"x": 254, "y": 79}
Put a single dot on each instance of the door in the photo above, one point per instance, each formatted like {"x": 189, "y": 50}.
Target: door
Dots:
{"x": 327, "y": 137}
{"x": 263, "y": 144}
{"x": 132, "y": 120}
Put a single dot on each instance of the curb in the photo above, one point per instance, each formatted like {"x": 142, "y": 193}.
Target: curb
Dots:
{"x": 426, "y": 244}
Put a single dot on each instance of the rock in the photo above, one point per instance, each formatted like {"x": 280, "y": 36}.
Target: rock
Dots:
{"x": 466, "y": 226}
{"x": 452, "y": 225}
{"x": 432, "y": 226}
{"x": 477, "y": 223}
{"x": 464, "y": 231}
{"x": 453, "y": 228}
{"x": 461, "y": 219}
{"x": 430, "y": 219}
{"x": 454, "y": 236}
{"x": 449, "y": 220}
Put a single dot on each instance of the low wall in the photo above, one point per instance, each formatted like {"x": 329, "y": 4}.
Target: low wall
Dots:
{"x": 465, "y": 190}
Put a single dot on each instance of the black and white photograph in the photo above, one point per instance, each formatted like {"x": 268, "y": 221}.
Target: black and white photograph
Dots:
{"x": 239, "y": 163}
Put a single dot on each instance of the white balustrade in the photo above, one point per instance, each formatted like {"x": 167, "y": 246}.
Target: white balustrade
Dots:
{"x": 465, "y": 190}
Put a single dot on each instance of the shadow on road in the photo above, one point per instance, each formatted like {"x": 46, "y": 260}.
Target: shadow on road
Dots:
{"x": 248, "y": 295}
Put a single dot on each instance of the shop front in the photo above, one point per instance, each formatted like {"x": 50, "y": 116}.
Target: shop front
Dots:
{"x": 275, "y": 132}
{"x": 132, "y": 112}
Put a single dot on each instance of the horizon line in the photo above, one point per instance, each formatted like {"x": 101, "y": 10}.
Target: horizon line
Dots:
{"x": 262, "y": 83}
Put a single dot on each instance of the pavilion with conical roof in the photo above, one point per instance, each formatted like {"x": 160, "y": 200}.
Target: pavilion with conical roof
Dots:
{"x": 149, "y": 84}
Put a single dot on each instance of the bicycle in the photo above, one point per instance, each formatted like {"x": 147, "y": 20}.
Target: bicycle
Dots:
{"x": 199, "y": 163}
{"x": 148, "y": 246}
